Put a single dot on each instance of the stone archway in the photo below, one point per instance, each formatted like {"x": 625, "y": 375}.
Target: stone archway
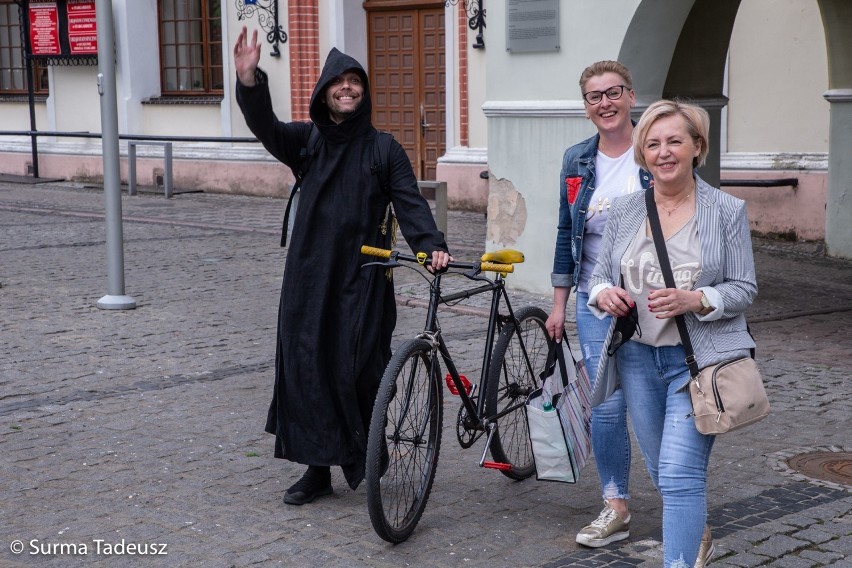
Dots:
{"x": 660, "y": 47}
{"x": 675, "y": 32}
{"x": 837, "y": 21}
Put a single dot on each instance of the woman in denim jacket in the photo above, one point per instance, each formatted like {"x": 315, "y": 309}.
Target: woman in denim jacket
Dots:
{"x": 594, "y": 173}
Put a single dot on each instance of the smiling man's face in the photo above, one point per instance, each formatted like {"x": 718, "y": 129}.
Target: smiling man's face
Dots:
{"x": 344, "y": 95}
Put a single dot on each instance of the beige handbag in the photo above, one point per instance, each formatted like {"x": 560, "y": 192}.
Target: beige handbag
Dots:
{"x": 728, "y": 396}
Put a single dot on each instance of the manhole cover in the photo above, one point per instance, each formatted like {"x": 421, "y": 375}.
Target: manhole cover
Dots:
{"x": 835, "y": 467}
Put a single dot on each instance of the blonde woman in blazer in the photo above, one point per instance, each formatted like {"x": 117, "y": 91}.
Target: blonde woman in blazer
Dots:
{"x": 709, "y": 247}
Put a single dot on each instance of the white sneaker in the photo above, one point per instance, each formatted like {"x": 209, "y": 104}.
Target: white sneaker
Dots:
{"x": 608, "y": 527}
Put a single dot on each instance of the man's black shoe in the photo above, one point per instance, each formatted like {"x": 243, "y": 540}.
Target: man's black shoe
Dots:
{"x": 316, "y": 482}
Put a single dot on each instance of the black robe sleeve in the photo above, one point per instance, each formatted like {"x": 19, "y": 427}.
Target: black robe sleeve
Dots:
{"x": 412, "y": 210}
{"x": 283, "y": 140}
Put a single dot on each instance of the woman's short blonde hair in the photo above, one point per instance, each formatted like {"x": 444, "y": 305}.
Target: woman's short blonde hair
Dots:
{"x": 697, "y": 125}
{"x": 606, "y": 66}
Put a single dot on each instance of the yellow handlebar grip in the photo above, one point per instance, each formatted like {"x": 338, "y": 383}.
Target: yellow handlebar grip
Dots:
{"x": 494, "y": 267}
{"x": 374, "y": 251}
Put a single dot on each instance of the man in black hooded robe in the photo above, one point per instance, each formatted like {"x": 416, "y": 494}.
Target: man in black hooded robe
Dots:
{"x": 335, "y": 319}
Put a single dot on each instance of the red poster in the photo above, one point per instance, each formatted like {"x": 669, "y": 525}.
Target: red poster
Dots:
{"x": 82, "y": 27}
{"x": 44, "y": 29}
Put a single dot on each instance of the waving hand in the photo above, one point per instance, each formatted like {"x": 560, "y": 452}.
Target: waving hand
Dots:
{"x": 246, "y": 57}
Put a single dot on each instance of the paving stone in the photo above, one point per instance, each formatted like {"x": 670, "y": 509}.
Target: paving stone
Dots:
{"x": 147, "y": 424}
{"x": 793, "y": 562}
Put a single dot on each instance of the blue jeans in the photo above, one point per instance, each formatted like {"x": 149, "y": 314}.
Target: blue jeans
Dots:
{"x": 610, "y": 440}
{"x": 675, "y": 453}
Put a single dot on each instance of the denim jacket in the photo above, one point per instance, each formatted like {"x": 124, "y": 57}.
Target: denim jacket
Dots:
{"x": 576, "y": 186}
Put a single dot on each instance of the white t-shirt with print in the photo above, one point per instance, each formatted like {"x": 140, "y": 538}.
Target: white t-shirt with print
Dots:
{"x": 615, "y": 177}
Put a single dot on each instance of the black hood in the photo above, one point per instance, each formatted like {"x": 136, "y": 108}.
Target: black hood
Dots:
{"x": 336, "y": 64}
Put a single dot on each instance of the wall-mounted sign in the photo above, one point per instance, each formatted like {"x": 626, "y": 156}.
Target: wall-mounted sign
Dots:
{"x": 62, "y": 29}
{"x": 44, "y": 29}
{"x": 82, "y": 27}
{"x": 532, "y": 25}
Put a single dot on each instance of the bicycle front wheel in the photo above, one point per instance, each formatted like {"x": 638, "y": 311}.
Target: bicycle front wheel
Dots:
{"x": 404, "y": 441}
{"x": 519, "y": 356}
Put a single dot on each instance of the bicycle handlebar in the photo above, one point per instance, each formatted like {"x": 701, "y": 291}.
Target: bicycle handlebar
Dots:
{"x": 483, "y": 266}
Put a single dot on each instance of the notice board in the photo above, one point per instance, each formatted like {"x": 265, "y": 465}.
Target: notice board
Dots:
{"x": 532, "y": 25}
{"x": 62, "y": 29}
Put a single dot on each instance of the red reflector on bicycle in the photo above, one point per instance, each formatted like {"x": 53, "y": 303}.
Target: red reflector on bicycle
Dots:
{"x": 497, "y": 465}
{"x": 452, "y": 385}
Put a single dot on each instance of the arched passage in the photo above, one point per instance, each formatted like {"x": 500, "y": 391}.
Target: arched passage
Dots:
{"x": 837, "y": 21}
{"x": 679, "y": 48}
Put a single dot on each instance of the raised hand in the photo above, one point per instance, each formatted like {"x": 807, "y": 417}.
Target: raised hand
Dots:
{"x": 246, "y": 57}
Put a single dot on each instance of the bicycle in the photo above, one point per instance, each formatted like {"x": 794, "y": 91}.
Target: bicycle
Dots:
{"x": 405, "y": 431}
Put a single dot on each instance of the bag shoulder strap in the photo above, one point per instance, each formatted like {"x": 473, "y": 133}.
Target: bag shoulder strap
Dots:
{"x": 306, "y": 156}
{"x": 381, "y": 160}
{"x": 382, "y": 144}
{"x": 556, "y": 355}
{"x": 666, "y": 268}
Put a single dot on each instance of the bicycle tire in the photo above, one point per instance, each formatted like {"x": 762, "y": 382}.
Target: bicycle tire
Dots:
{"x": 404, "y": 441}
{"x": 514, "y": 381}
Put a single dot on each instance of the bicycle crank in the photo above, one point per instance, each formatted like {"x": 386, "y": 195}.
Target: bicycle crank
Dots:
{"x": 466, "y": 430}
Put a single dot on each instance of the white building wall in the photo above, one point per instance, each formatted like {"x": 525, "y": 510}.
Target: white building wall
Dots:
{"x": 76, "y": 106}
{"x": 777, "y": 75}
{"x": 535, "y": 112}
{"x": 137, "y": 72}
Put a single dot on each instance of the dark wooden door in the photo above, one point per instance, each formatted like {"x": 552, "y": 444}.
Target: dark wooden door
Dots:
{"x": 407, "y": 75}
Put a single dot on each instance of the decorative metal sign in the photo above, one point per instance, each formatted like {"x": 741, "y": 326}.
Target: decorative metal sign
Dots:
{"x": 267, "y": 17}
{"x": 475, "y": 18}
{"x": 532, "y": 25}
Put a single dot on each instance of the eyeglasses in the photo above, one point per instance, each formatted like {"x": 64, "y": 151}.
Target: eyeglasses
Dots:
{"x": 613, "y": 93}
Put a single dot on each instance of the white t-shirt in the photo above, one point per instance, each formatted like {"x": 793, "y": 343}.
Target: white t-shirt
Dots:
{"x": 615, "y": 177}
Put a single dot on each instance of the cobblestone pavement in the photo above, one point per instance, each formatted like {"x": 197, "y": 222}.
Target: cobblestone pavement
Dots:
{"x": 122, "y": 429}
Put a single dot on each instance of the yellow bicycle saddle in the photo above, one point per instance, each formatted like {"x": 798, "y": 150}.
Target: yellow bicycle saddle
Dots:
{"x": 503, "y": 256}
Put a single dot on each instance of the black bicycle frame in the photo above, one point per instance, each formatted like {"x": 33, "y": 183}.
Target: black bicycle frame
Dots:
{"x": 497, "y": 287}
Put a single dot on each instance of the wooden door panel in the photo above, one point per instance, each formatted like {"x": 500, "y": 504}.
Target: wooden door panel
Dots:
{"x": 407, "y": 76}
{"x": 433, "y": 89}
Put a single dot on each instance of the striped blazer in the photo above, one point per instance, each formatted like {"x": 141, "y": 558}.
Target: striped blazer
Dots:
{"x": 727, "y": 269}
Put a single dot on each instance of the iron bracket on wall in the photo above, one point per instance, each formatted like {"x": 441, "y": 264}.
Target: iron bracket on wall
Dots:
{"x": 267, "y": 17}
{"x": 475, "y": 18}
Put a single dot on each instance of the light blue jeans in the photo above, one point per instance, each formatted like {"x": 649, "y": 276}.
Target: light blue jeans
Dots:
{"x": 675, "y": 453}
{"x": 610, "y": 440}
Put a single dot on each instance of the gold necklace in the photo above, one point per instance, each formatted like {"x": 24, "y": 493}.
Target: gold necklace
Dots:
{"x": 673, "y": 209}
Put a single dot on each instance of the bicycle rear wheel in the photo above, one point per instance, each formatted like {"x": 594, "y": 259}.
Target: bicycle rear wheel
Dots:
{"x": 519, "y": 356}
{"x": 404, "y": 441}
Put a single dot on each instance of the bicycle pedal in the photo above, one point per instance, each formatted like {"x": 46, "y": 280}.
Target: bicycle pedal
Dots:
{"x": 497, "y": 465}
{"x": 451, "y": 385}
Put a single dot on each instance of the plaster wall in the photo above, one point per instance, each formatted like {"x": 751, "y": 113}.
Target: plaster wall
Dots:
{"x": 16, "y": 116}
{"x": 523, "y": 204}
{"x": 777, "y": 117}
{"x": 181, "y": 120}
{"x": 777, "y": 74}
{"x": 534, "y": 113}
{"x": 476, "y": 83}
{"x": 137, "y": 78}
{"x": 787, "y": 212}
{"x": 77, "y": 105}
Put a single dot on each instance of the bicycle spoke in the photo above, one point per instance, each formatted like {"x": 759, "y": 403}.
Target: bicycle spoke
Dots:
{"x": 518, "y": 357}
{"x": 403, "y": 442}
